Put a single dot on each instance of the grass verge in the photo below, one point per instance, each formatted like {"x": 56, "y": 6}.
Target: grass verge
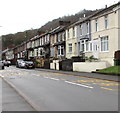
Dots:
{"x": 113, "y": 69}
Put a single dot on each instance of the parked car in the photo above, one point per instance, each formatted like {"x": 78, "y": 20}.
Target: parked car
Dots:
{"x": 25, "y": 63}
{"x": 18, "y": 62}
{"x": 9, "y": 62}
{"x": 6, "y": 63}
{"x": 29, "y": 64}
{"x": 1, "y": 65}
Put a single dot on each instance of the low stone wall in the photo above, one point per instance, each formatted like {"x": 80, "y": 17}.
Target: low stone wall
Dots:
{"x": 88, "y": 66}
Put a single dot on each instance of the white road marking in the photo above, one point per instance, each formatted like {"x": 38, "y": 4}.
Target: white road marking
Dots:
{"x": 46, "y": 77}
{"x": 37, "y": 75}
{"x": 78, "y": 84}
{"x": 52, "y": 78}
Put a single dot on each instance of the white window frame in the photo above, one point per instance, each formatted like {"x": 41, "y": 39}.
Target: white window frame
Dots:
{"x": 63, "y": 36}
{"x": 96, "y": 25}
{"x": 33, "y": 44}
{"x": 59, "y": 37}
{"x": 70, "y": 47}
{"x": 87, "y": 26}
{"x": 68, "y": 33}
{"x": 48, "y": 36}
{"x": 73, "y": 31}
{"x": 45, "y": 38}
{"x": 81, "y": 32}
{"x": 104, "y": 44}
{"x": 106, "y": 21}
{"x": 60, "y": 47}
{"x": 90, "y": 46}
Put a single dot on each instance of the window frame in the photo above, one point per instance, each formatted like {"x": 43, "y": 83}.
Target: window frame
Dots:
{"x": 103, "y": 46}
{"x": 73, "y": 31}
{"x": 70, "y": 48}
{"x": 81, "y": 32}
{"x": 106, "y": 21}
{"x": 60, "y": 48}
{"x": 96, "y": 25}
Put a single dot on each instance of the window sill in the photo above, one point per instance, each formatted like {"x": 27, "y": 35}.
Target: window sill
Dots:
{"x": 69, "y": 53}
{"x": 88, "y": 51}
{"x": 104, "y": 51}
{"x": 60, "y": 55}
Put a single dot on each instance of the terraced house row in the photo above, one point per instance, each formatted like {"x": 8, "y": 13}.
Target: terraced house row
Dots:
{"x": 96, "y": 36}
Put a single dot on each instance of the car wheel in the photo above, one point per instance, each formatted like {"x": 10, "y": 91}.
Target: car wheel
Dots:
{"x": 2, "y": 67}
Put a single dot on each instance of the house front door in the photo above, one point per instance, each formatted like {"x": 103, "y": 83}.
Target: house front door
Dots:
{"x": 96, "y": 48}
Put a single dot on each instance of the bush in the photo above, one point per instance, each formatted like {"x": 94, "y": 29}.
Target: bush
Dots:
{"x": 91, "y": 59}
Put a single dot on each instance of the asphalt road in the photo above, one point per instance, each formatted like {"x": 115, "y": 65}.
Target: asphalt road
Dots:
{"x": 61, "y": 92}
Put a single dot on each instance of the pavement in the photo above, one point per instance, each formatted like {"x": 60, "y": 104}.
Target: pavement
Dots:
{"x": 12, "y": 101}
{"x": 85, "y": 74}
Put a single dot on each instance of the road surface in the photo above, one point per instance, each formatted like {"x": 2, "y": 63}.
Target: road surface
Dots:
{"x": 49, "y": 91}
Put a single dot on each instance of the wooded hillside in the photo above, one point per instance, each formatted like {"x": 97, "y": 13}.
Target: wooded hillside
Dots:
{"x": 12, "y": 40}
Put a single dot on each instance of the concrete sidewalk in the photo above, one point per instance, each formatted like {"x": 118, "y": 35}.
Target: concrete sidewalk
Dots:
{"x": 85, "y": 74}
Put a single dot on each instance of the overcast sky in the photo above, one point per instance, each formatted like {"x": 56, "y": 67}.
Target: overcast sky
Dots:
{"x": 21, "y": 15}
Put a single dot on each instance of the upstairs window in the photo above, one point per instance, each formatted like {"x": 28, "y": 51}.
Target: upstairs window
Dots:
{"x": 87, "y": 27}
{"x": 45, "y": 39}
{"x": 68, "y": 33}
{"x": 80, "y": 29}
{"x": 59, "y": 37}
{"x": 63, "y": 36}
{"x": 96, "y": 25}
{"x": 106, "y": 21}
{"x": 73, "y": 31}
{"x": 48, "y": 38}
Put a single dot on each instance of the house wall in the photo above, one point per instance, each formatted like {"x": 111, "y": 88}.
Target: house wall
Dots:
{"x": 111, "y": 32}
{"x": 0, "y": 47}
{"x": 72, "y": 40}
{"x": 118, "y": 29}
{"x": 9, "y": 55}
